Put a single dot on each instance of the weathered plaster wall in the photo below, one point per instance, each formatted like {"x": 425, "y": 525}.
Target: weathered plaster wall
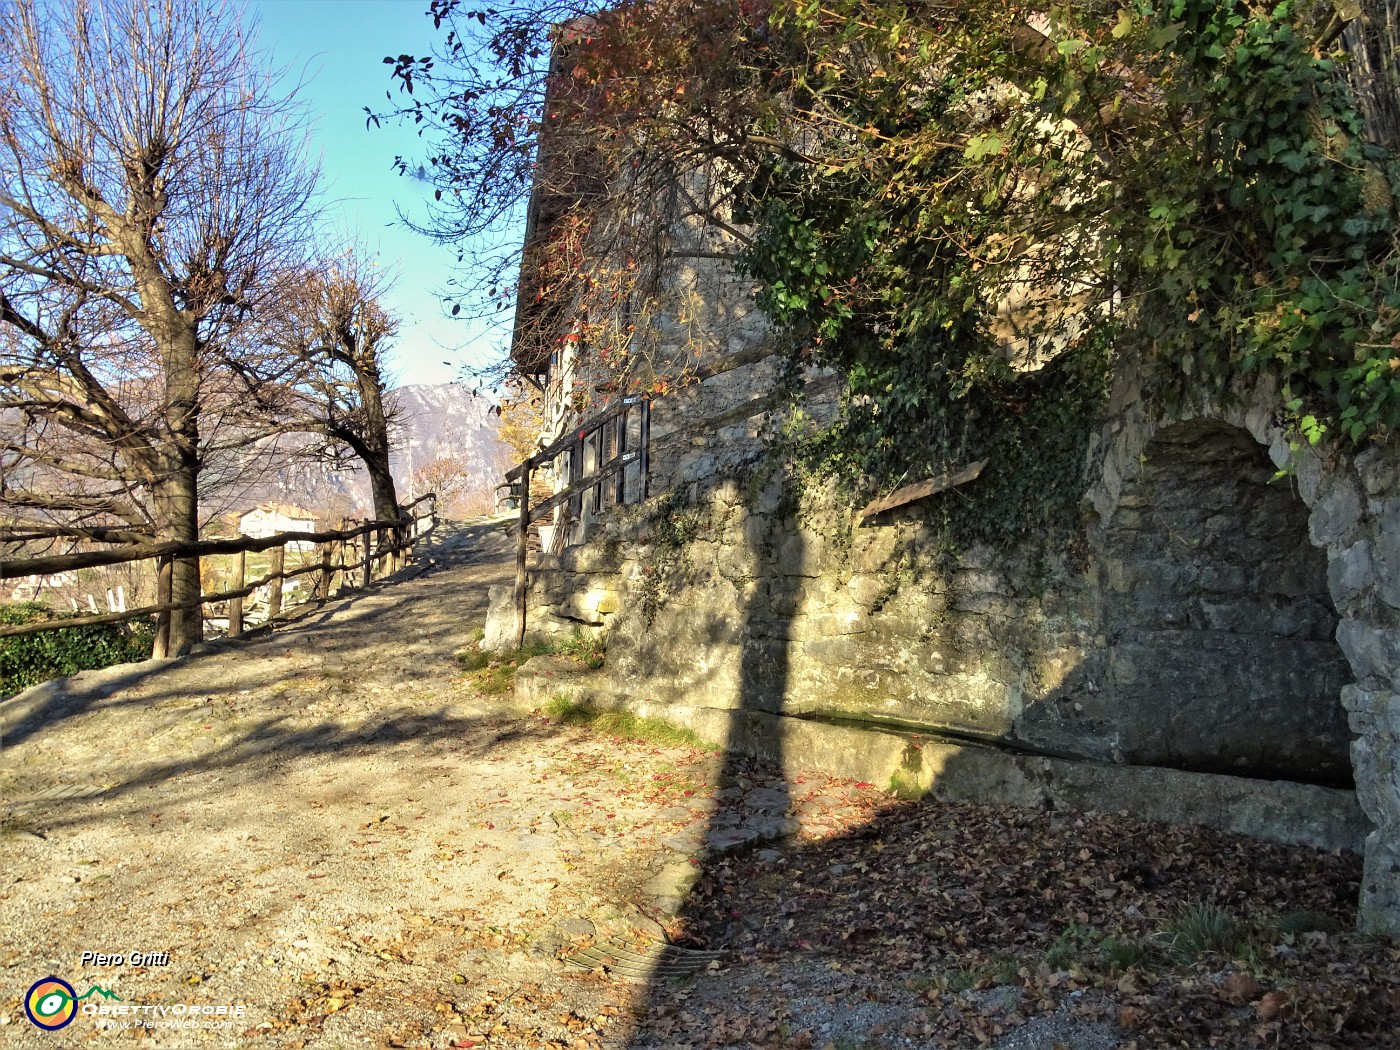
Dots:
{"x": 1217, "y": 620}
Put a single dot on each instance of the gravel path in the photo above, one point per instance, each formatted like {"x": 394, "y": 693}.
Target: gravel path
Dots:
{"x": 330, "y": 829}
{"x": 328, "y": 837}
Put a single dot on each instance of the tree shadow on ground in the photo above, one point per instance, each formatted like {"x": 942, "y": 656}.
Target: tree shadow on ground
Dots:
{"x": 381, "y": 606}
{"x": 954, "y": 924}
{"x": 270, "y": 743}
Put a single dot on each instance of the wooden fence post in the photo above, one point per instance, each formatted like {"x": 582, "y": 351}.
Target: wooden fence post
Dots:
{"x": 160, "y": 647}
{"x": 362, "y": 547}
{"x": 274, "y": 587}
{"x": 323, "y": 578}
{"x": 235, "y": 605}
{"x": 520, "y": 544}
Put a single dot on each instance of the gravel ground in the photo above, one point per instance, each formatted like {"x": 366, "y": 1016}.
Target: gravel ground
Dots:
{"x": 329, "y": 834}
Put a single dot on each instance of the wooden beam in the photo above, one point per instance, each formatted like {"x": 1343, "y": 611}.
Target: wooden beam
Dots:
{"x": 235, "y": 605}
{"x": 522, "y": 536}
{"x": 909, "y": 493}
{"x": 50, "y": 565}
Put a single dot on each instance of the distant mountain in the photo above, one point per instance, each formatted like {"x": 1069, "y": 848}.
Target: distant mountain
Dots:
{"x": 445, "y": 420}
{"x": 434, "y": 422}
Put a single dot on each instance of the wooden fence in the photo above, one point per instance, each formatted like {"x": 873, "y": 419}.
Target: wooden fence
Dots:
{"x": 598, "y": 451}
{"x": 370, "y": 550}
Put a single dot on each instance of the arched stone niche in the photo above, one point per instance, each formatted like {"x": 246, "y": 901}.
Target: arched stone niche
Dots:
{"x": 1352, "y": 518}
{"x": 1222, "y": 653}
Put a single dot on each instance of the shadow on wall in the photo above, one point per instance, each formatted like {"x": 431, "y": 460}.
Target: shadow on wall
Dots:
{"x": 934, "y": 920}
{"x": 1222, "y": 655}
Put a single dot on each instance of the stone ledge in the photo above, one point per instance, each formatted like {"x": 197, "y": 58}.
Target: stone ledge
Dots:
{"x": 1274, "y": 811}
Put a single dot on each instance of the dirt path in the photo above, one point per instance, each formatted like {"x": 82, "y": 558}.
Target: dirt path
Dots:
{"x": 332, "y": 836}
{"x": 331, "y": 829}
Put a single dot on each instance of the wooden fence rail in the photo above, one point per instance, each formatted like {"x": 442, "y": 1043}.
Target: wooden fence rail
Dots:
{"x": 603, "y": 438}
{"x": 376, "y": 548}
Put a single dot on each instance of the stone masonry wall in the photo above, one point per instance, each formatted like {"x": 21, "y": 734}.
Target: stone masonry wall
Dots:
{"x": 1219, "y": 624}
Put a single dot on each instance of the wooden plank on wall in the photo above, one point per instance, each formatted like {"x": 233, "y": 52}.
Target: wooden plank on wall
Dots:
{"x": 909, "y": 493}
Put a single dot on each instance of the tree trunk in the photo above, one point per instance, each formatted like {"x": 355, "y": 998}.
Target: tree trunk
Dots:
{"x": 177, "y": 512}
{"x": 176, "y": 496}
{"x": 381, "y": 484}
{"x": 373, "y": 446}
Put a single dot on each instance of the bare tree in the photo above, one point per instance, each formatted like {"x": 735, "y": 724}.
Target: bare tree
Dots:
{"x": 335, "y": 335}
{"x": 152, "y": 179}
{"x": 462, "y": 489}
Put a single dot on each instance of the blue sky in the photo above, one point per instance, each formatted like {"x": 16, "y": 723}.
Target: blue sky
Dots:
{"x": 337, "y": 48}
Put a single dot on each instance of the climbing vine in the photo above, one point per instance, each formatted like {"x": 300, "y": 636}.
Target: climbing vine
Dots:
{"x": 1000, "y": 206}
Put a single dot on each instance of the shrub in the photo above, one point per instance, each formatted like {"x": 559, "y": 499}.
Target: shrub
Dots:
{"x": 28, "y": 659}
{"x": 591, "y": 650}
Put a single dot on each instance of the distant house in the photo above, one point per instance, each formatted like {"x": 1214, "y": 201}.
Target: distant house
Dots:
{"x": 268, "y": 519}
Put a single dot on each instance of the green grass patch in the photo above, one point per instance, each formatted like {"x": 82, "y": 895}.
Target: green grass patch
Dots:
{"x": 494, "y": 673}
{"x": 1085, "y": 948}
{"x": 622, "y": 724}
{"x": 1200, "y": 930}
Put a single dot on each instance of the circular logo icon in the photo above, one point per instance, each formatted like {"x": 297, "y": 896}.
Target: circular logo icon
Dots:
{"x": 51, "y": 1003}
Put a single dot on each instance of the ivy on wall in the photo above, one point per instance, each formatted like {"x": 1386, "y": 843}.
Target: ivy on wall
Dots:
{"x": 999, "y": 209}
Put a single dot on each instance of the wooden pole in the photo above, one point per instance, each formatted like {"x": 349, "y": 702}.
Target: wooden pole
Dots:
{"x": 367, "y": 568}
{"x": 619, "y": 450}
{"x": 274, "y": 587}
{"x": 323, "y": 579}
{"x": 235, "y": 605}
{"x": 645, "y": 441}
{"x": 521, "y": 539}
{"x": 160, "y": 647}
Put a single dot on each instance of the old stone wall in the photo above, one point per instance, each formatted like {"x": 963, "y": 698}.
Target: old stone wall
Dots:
{"x": 1216, "y": 621}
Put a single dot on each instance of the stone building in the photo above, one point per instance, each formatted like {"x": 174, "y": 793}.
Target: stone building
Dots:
{"x": 1225, "y": 648}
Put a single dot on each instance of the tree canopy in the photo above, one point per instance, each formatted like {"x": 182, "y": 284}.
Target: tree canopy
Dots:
{"x": 973, "y": 209}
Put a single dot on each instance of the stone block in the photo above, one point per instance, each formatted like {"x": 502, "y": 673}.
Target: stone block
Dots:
{"x": 586, "y": 557}
{"x": 1336, "y": 513}
{"x": 874, "y": 548}
{"x": 590, "y": 605}
{"x": 1379, "y": 909}
{"x": 500, "y": 619}
{"x": 1379, "y": 470}
{"x": 1372, "y": 650}
{"x": 865, "y": 588}
{"x": 1374, "y": 763}
{"x": 801, "y": 553}
{"x": 769, "y": 497}
{"x": 1349, "y": 571}
{"x": 1311, "y": 472}
{"x": 1386, "y": 558}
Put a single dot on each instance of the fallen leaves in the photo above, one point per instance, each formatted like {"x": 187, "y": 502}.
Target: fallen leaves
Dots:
{"x": 1057, "y": 911}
